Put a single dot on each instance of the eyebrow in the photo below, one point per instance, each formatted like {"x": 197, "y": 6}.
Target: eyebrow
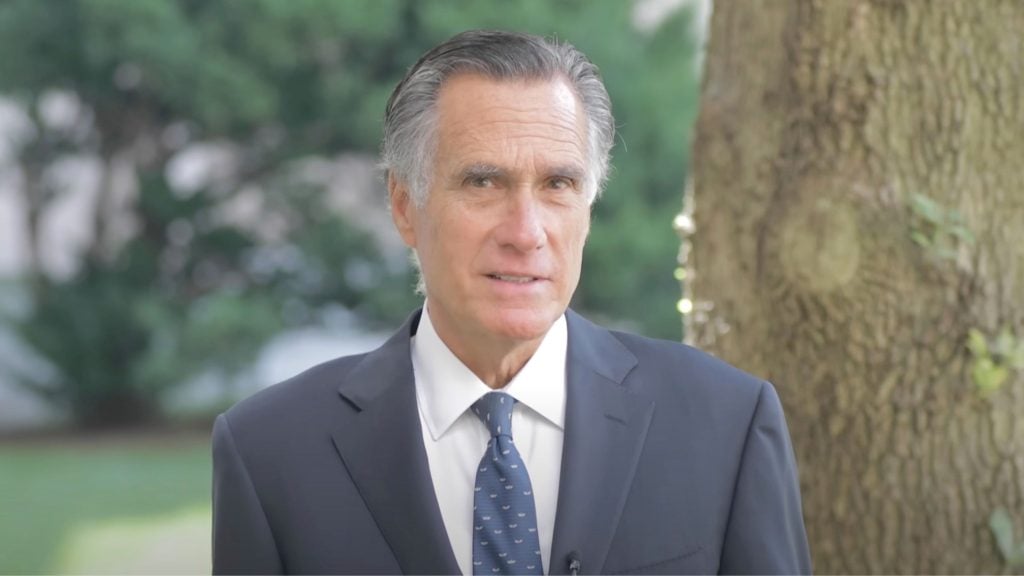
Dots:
{"x": 482, "y": 170}
{"x": 474, "y": 171}
{"x": 570, "y": 171}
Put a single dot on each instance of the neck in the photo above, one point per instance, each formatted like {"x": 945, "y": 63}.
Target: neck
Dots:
{"x": 496, "y": 368}
{"x": 494, "y": 361}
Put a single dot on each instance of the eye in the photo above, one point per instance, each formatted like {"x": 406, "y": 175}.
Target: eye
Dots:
{"x": 479, "y": 181}
{"x": 561, "y": 183}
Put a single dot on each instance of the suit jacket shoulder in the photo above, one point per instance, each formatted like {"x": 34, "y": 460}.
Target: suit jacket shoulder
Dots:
{"x": 679, "y": 377}
{"x": 715, "y": 486}
{"x": 282, "y": 401}
{"x": 702, "y": 370}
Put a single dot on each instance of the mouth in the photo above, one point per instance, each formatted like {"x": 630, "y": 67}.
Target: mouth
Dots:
{"x": 515, "y": 279}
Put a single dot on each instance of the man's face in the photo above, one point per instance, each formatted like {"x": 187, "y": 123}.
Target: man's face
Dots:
{"x": 500, "y": 236}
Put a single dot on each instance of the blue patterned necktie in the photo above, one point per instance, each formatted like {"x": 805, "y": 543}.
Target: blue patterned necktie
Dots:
{"x": 504, "y": 518}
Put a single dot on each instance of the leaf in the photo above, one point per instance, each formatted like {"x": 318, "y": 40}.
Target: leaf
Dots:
{"x": 1016, "y": 358}
{"x": 1005, "y": 343}
{"x": 927, "y": 208}
{"x": 988, "y": 375}
{"x": 976, "y": 343}
{"x": 921, "y": 239}
{"x": 1002, "y": 528}
{"x": 963, "y": 234}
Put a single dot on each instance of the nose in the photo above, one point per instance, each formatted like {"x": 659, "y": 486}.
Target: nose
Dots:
{"x": 522, "y": 226}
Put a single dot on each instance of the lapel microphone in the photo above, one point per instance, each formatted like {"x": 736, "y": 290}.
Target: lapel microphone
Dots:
{"x": 574, "y": 563}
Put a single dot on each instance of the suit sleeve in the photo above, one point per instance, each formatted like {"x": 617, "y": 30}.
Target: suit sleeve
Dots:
{"x": 765, "y": 533}
{"x": 242, "y": 539}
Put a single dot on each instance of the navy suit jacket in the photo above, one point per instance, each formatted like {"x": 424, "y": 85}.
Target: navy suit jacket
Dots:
{"x": 673, "y": 462}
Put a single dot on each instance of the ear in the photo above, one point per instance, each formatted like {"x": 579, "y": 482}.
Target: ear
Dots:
{"x": 402, "y": 210}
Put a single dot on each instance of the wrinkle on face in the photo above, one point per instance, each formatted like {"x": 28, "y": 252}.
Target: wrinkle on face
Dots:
{"x": 509, "y": 127}
{"x": 508, "y": 198}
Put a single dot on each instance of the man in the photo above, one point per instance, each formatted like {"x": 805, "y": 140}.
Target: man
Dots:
{"x": 497, "y": 432}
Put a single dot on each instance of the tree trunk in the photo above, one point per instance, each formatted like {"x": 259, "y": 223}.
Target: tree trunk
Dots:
{"x": 859, "y": 209}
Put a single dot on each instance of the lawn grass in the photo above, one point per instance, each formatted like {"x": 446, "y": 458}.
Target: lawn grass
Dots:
{"x": 124, "y": 504}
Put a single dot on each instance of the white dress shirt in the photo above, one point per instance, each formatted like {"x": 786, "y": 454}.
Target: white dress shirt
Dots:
{"x": 455, "y": 438}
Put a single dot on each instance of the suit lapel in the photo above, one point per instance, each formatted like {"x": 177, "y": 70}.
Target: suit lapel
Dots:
{"x": 382, "y": 447}
{"x": 605, "y": 428}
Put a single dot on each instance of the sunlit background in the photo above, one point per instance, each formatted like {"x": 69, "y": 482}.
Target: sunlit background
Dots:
{"x": 190, "y": 210}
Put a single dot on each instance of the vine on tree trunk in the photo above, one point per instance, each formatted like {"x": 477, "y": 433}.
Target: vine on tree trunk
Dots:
{"x": 994, "y": 359}
{"x": 936, "y": 228}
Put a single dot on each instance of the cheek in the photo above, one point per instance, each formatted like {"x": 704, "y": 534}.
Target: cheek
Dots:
{"x": 428, "y": 244}
{"x": 580, "y": 233}
{"x": 456, "y": 238}
{"x": 572, "y": 254}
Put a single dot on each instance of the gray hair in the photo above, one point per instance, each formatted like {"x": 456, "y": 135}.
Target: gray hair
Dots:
{"x": 410, "y": 116}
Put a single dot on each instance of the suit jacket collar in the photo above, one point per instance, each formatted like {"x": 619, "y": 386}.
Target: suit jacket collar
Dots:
{"x": 382, "y": 447}
{"x": 606, "y": 424}
{"x": 605, "y": 427}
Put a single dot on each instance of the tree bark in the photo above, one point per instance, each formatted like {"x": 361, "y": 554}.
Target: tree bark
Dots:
{"x": 825, "y": 130}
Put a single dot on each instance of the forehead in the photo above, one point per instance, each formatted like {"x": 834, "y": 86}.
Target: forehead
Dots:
{"x": 480, "y": 116}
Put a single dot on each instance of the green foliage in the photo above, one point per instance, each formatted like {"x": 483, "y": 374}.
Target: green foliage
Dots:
{"x": 937, "y": 229}
{"x": 341, "y": 265}
{"x": 1011, "y": 550}
{"x": 121, "y": 333}
{"x": 228, "y": 67}
{"x": 993, "y": 361}
{"x": 129, "y": 326}
{"x": 281, "y": 81}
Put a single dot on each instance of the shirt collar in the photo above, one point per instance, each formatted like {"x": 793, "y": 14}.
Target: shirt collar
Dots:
{"x": 446, "y": 388}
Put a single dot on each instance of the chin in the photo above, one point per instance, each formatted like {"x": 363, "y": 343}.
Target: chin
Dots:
{"x": 524, "y": 324}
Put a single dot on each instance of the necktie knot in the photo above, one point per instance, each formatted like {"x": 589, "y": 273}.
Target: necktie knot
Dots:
{"x": 494, "y": 409}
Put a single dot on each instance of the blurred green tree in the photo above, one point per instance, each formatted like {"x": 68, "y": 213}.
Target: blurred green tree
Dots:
{"x": 190, "y": 290}
{"x": 276, "y": 83}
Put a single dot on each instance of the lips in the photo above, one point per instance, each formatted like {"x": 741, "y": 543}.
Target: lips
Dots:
{"x": 514, "y": 278}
